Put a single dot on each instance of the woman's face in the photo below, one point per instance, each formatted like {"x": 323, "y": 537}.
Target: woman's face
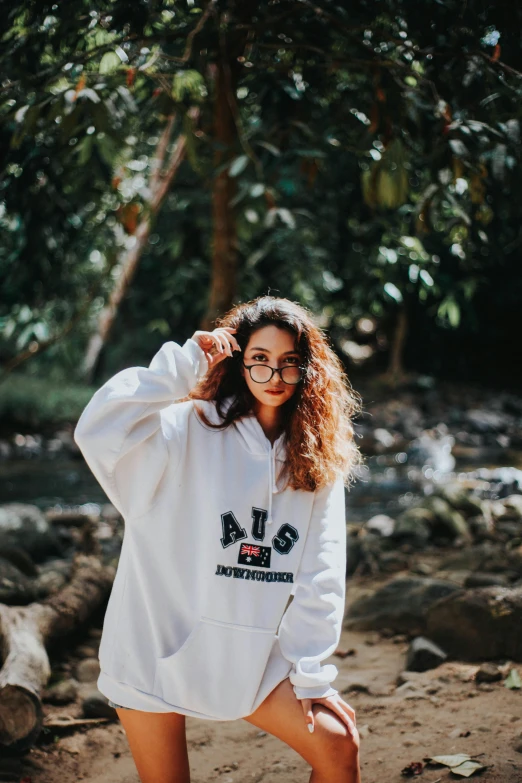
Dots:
{"x": 275, "y": 347}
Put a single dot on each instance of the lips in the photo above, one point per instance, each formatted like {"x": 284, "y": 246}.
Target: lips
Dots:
{"x": 274, "y": 391}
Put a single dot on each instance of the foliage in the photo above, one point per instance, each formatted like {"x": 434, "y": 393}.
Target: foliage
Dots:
{"x": 376, "y": 161}
{"x": 39, "y": 404}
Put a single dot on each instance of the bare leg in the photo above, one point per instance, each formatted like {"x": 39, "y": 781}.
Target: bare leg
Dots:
{"x": 331, "y": 751}
{"x": 158, "y": 744}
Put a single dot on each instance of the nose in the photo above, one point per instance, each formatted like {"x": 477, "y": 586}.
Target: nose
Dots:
{"x": 275, "y": 381}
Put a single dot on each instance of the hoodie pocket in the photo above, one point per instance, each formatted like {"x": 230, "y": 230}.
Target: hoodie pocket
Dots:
{"x": 217, "y": 670}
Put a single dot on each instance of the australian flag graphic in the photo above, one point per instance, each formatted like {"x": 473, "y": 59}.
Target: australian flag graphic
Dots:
{"x": 254, "y": 555}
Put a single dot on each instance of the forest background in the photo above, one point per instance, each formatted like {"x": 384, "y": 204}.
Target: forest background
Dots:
{"x": 164, "y": 160}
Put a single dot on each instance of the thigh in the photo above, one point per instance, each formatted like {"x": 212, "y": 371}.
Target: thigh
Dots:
{"x": 158, "y": 744}
{"x": 281, "y": 714}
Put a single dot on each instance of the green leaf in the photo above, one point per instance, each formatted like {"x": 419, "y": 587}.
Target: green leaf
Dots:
{"x": 84, "y": 150}
{"x": 238, "y": 165}
{"x": 467, "y": 769}
{"x": 393, "y": 291}
{"x": 109, "y": 62}
{"x": 257, "y": 190}
{"x": 451, "y": 761}
{"x": 513, "y": 680}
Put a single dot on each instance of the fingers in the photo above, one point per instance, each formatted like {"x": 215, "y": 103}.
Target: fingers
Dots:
{"x": 336, "y": 707}
{"x": 217, "y": 344}
{"x": 228, "y": 334}
{"x": 349, "y": 711}
{"x": 309, "y": 715}
{"x": 224, "y": 340}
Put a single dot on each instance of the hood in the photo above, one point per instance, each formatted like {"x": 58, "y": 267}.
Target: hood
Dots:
{"x": 254, "y": 440}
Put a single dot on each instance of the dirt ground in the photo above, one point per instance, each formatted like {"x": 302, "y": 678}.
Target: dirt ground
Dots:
{"x": 443, "y": 711}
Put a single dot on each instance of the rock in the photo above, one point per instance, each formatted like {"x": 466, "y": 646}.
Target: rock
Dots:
{"x": 513, "y": 506}
{"x": 88, "y": 670}
{"x": 54, "y": 574}
{"x": 456, "y": 733}
{"x": 25, "y": 526}
{"x": 503, "y": 481}
{"x": 20, "y": 559}
{"x": 424, "y": 569}
{"x": 381, "y": 523}
{"x": 400, "y": 638}
{"x": 63, "y": 692}
{"x": 423, "y": 655}
{"x": 488, "y": 421}
{"x": 480, "y": 624}
{"x": 393, "y": 561}
{"x": 413, "y": 525}
{"x": 488, "y": 672}
{"x": 460, "y": 498}
{"x": 409, "y": 690}
{"x": 110, "y": 513}
{"x": 400, "y": 604}
{"x": 86, "y": 651}
{"x": 363, "y": 730}
{"x": 95, "y": 705}
{"x": 415, "y": 678}
{"x": 16, "y": 588}
{"x": 472, "y": 558}
{"x": 479, "y": 579}
{"x": 517, "y": 744}
{"x": 448, "y": 521}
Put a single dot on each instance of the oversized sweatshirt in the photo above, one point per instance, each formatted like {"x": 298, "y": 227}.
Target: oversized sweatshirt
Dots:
{"x": 199, "y": 619}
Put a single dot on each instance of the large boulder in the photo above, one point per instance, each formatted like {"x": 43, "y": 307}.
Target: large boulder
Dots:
{"x": 25, "y": 526}
{"x": 432, "y": 518}
{"x": 16, "y": 588}
{"x": 480, "y": 624}
{"x": 401, "y": 604}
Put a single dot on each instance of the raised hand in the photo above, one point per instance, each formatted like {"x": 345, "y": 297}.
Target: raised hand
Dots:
{"x": 217, "y": 344}
{"x": 337, "y": 704}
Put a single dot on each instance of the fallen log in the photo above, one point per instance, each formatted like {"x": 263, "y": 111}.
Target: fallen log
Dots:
{"x": 25, "y": 634}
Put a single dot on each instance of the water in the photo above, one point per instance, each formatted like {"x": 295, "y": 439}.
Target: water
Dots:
{"x": 386, "y": 485}
{"x": 48, "y": 482}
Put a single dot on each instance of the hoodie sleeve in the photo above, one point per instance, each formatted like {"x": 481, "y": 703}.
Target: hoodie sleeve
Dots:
{"x": 311, "y": 626}
{"x": 121, "y": 432}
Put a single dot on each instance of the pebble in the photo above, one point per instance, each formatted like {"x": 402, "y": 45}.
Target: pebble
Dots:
{"x": 88, "y": 670}
{"x": 488, "y": 672}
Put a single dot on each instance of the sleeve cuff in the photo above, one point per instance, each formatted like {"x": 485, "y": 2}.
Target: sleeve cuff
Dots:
{"x": 313, "y": 675}
{"x": 197, "y": 357}
{"x": 318, "y": 692}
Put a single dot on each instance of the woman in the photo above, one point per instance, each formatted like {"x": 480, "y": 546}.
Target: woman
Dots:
{"x": 227, "y": 458}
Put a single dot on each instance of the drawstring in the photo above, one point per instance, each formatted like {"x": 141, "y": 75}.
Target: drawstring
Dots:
{"x": 271, "y": 480}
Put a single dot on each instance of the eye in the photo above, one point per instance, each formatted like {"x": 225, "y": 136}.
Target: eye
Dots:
{"x": 294, "y": 359}
{"x": 259, "y": 356}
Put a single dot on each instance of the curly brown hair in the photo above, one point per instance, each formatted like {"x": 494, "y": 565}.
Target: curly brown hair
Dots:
{"x": 317, "y": 419}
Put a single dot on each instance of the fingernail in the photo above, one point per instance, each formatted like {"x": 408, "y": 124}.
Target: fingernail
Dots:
{"x": 310, "y": 727}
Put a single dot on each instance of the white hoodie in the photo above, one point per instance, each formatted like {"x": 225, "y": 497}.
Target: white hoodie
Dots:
{"x": 213, "y": 548}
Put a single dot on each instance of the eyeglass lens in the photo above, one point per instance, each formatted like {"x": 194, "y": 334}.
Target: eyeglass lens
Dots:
{"x": 261, "y": 373}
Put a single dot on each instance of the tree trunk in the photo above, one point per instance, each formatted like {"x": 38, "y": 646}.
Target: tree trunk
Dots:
{"x": 160, "y": 183}
{"x": 395, "y": 373}
{"x": 26, "y": 632}
{"x": 224, "y": 241}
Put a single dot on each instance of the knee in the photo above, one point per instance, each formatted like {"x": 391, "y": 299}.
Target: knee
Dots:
{"x": 340, "y": 750}
{"x": 344, "y": 748}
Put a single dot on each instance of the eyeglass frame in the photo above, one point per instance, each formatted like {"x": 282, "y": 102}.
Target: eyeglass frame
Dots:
{"x": 274, "y": 370}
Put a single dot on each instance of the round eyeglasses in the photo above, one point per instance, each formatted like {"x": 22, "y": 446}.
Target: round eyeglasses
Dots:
{"x": 262, "y": 373}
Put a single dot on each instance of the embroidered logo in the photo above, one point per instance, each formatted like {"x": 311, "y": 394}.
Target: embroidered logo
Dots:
{"x": 254, "y": 555}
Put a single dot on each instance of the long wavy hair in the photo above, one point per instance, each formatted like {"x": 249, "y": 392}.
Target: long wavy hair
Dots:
{"x": 317, "y": 419}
